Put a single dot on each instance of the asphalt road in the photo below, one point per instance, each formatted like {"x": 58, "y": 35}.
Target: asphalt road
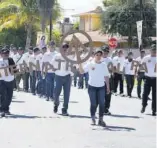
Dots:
{"x": 34, "y": 125}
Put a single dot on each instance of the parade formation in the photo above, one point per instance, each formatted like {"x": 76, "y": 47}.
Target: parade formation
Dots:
{"x": 45, "y": 72}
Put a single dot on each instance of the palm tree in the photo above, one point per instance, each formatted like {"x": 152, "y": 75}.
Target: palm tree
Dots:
{"x": 14, "y": 13}
{"x": 47, "y": 12}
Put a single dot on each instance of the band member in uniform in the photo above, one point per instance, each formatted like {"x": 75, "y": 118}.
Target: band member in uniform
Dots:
{"x": 118, "y": 63}
{"x": 140, "y": 75}
{"x": 129, "y": 74}
{"x": 107, "y": 60}
{"x": 150, "y": 80}
{"x": 62, "y": 79}
{"x": 6, "y": 84}
{"x": 50, "y": 75}
{"x": 98, "y": 71}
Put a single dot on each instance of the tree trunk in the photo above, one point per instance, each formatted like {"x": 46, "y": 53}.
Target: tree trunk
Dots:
{"x": 130, "y": 37}
{"x": 29, "y": 36}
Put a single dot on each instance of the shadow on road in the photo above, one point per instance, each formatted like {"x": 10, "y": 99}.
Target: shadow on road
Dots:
{"x": 18, "y": 101}
{"x": 117, "y": 128}
{"x": 79, "y": 116}
{"x": 124, "y": 116}
{"x": 13, "y": 116}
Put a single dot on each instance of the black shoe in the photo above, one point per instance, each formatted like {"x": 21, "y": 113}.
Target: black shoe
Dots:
{"x": 143, "y": 109}
{"x": 130, "y": 96}
{"x": 47, "y": 99}
{"x": 153, "y": 113}
{"x": 2, "y": 114}
{"x": 122, "y": 95}
{"x": 107, "y": 113}
{"x": 7, "y": 113}
{"x": 102, "y": 123}
{"x": 55, "y": 110}
{"x": 64, "y": 112}
{"x": 93, "y": 121}
{"x": 139, "y": 96}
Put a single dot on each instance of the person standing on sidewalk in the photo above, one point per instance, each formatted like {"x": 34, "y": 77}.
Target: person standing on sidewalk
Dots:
{"x": 150, "y": 80}
{"x": 129, "y": 74}
{"x": 140, "y": 75}
{"x": 107, "y": 60}
{"x": 6, "y": 83}
{"x": 118, "y": 63}
{"x": 98, "y": 72}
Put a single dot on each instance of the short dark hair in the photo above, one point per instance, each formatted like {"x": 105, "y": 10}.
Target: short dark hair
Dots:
{"x": 105, "y": 48}
{"x": 65, "y": 45}
{"x": 36, "y": 49}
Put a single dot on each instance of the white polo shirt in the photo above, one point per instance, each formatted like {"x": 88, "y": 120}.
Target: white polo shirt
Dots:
{"x": 32, "y": 59}
{"x": 151, "y": 62}
{"x": 9, "y": 78}
{"x": 107, "y": 61}
{"x": 39, "y": 58}
{"x": 26, "y": 57}
{"x": 127, "y": 66}
{"x": 119, "y": 60}
{"x": 62, "y": 71}
{"x": 139, "y": 60}
{"x": 48, "y": 57}
{"x": 97, "y": 73}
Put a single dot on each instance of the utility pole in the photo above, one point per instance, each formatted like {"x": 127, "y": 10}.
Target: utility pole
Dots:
{"x": 51, "y": 26}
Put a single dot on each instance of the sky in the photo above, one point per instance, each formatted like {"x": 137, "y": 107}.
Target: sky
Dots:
{"x": 79, "y": 6}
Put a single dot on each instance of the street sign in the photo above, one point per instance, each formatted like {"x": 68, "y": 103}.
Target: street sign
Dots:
{"x": 113, "y": 43}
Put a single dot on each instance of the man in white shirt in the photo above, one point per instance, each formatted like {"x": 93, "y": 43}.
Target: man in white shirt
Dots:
{"x": 140, "y": 75}
{"x": 118, "y": 63}
{"x": 6, "y": 84}
{"x": 50, "y": 75}
{"x": 25, "y": 58}
{"x": 13, "y": 55}
{"x": 107, "y": 60}
{"x": 19, "y": 60}
{"x": 41, "y": 80}
{"x": 33, "y": 70}
{"x": 62, "y": 79}
{"x": 98, "y": 72}
{"x": 129, "y": 74}
{"x": 150, "y": 80}
{"x": 84, "y": 76}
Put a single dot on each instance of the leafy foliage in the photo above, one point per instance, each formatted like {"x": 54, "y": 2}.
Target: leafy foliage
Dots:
{"x": 16, "y": 36}
{"x": 123, "y": 20}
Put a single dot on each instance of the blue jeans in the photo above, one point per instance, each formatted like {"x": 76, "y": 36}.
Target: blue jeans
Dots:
{"x": 97, "y": 97}
{"x": 33, "y": 85}
{"x": 50, "y": 85}
{"x": 40, "y": 84}
{"x": 65, "y": 82}
{"x": 83, "y": 77}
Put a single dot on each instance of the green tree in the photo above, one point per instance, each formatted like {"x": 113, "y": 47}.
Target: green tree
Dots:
{"x": 123, "y": 20}
{"x": 14, "y": 13}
